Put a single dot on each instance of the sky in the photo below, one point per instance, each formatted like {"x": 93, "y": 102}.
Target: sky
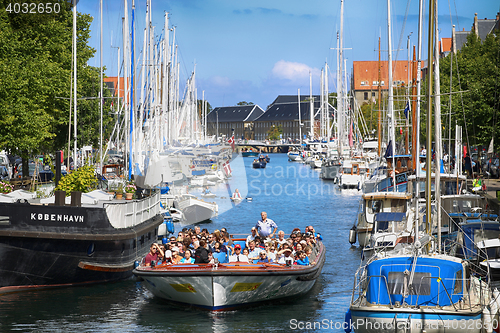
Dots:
{"x": 255, "y": 50}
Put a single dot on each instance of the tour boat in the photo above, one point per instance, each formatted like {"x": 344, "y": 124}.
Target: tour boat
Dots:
{"x": 226, "y": 286}
{"x": 95, "y": 238}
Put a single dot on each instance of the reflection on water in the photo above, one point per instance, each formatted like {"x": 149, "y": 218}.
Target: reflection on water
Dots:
{"x": 295, "y": 197}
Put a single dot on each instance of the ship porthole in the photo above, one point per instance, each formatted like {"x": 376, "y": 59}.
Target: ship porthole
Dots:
{"x": 91, "y": 250}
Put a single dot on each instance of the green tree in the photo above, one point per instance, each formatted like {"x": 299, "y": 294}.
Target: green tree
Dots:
{"x": 244, "y": 103}
{"x": 274, "y": 132}
{"x": 476, "y": 73}
{"x": 35, "y": 81}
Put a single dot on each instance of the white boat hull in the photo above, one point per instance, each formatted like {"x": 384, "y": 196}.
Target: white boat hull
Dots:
{"x": 195, "y": 210}
{"x": 224, "y": 292}
{"x": 365, "y": 320}
{"x": 294, "y": 156}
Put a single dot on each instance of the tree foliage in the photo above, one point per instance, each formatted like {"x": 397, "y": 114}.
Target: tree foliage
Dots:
{"x": 35, "y": 81}
{"x": 275, "y": 132}
{"x": 244, "y": 103}
{"x": 475, "y": 72}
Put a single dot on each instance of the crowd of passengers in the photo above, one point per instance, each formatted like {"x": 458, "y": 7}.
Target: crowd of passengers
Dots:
{"x": 193, "y": 246}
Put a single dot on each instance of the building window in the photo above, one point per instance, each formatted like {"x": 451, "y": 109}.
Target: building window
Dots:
{"x": 366, "y": 96}
{"x": 373, "y": 94}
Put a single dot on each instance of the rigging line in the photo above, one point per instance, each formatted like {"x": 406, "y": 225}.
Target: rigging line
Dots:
{"x": 451, "y": 86}
{"x": 463, "y": 108}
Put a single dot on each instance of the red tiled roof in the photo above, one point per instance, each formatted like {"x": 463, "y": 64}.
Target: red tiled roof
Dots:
{"x": 446, "y": 42}
{"x": 365, "y": 74}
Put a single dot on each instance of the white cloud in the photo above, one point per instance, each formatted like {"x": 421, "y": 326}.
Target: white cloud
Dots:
{"x": 293, "y": 71}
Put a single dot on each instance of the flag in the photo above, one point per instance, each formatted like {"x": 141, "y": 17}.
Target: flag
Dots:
{"x": 227, "y": 168}
{"x": 490, "y": 148}
{"x": 388, "y": 151}
{"x": 407, "y": 109}
{"x": 231, "y": 142}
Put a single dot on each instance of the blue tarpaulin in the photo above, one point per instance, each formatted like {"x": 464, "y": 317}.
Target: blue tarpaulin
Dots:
{"x": 389, "y": 216}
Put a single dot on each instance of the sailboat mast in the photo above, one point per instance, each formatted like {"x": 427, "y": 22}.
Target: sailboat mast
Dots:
{"x": 132, "y": 93}
{"x": 300, "y": 121}
{"x": 391, "y": 94}
{"x": 379, "y": 128}
{"x": 101, "y": 99}
{"x": 428, "y": 159}
{"x": 311, "y": 108}
{"x": 340, "y": 88}
{"x": 437, "y": 124}
{"x": 74, "y": 86}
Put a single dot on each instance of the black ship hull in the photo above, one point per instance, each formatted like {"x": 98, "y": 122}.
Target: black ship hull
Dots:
{"x": 48, "y": 246}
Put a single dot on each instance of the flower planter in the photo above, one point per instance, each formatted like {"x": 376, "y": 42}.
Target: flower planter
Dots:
{"x": 119, "y": 196}
{"x": 128, "y": 196}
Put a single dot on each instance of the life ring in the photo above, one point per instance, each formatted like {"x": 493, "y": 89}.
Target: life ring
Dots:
{"x": 214, "y": 166}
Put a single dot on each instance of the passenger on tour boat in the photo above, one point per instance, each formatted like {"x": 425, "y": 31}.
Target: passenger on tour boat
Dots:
{"x": 302, "y": 259}
{"x": 201, "y": 254}
{"x": 286, "y": 257}
{"x": 199, "y": 248}
{"x": 153, "y": 254}
{"x": 253, "y": 251}
{"x": 238, "y": 256}
{"x": 211, "y": 242}
{"x": 252, "y": 236}
{"x": 266, "y": 227}
{"x": 187, "y": 258}
{"x": 197, "y": 230}
{"x": 262, "y": 257}
{"x": 206, "y": 191}
{"x": 271, "y": 254}
{"x": 281, "y": 237}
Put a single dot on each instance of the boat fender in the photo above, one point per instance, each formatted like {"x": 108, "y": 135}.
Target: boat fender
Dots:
{"x": 493, "y": 315}
{"x": 170, "y": 227}
{"x": 487, "y": 320}
{"x": 348, "y": 321}
{"x": 352, "y": 235}
{"x": 136, "y": 263}
{"x": 496, "y": 295}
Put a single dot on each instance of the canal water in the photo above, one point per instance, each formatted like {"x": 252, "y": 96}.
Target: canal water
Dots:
{"x": 293, "y": 195}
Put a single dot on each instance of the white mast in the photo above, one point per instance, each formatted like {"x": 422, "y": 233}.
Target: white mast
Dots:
{"x": 391, "y": 94}
{"x": 437, "y": 125}
{"x": 101, "y": 99}
{"x": 300, "y": 121}
{"x": 74, "y": 86}
{"x": 311, "y": 108}
{"x": 340, "y": 88}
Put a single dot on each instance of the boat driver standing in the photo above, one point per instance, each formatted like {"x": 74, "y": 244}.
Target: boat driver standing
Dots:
{"x": 266, "y": 227}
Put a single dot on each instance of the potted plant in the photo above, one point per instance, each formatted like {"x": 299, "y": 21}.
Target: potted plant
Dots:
{"x": 129, "y": 191}
{"x": 119, "y": 191}
{"x": 6, "y": 187}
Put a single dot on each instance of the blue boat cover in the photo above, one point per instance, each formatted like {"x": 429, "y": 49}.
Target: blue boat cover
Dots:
{"x": 432, "y": 275}
{"x": 198, "y": 172}
{"x": 389, "y": 217}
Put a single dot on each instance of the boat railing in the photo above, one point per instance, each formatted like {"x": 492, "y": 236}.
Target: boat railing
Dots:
{"x": 439, "y": 280}
{"x": 133, "y": 212}
{"x": 367, "y": 284}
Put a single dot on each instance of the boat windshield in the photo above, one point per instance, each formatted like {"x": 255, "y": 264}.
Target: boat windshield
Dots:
{"x": 398, "y": 283}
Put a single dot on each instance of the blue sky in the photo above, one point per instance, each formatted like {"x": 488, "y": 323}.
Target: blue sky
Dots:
{"x": 255, "y": 50}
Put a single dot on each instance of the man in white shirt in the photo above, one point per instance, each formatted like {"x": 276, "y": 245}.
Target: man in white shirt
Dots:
{"x": 266, "y": 227}
{"x": 252, "y": 236}
{"x": 253, "y": 252}
{"x": 286, "y": 257}
{"x": 237, "y": 256}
